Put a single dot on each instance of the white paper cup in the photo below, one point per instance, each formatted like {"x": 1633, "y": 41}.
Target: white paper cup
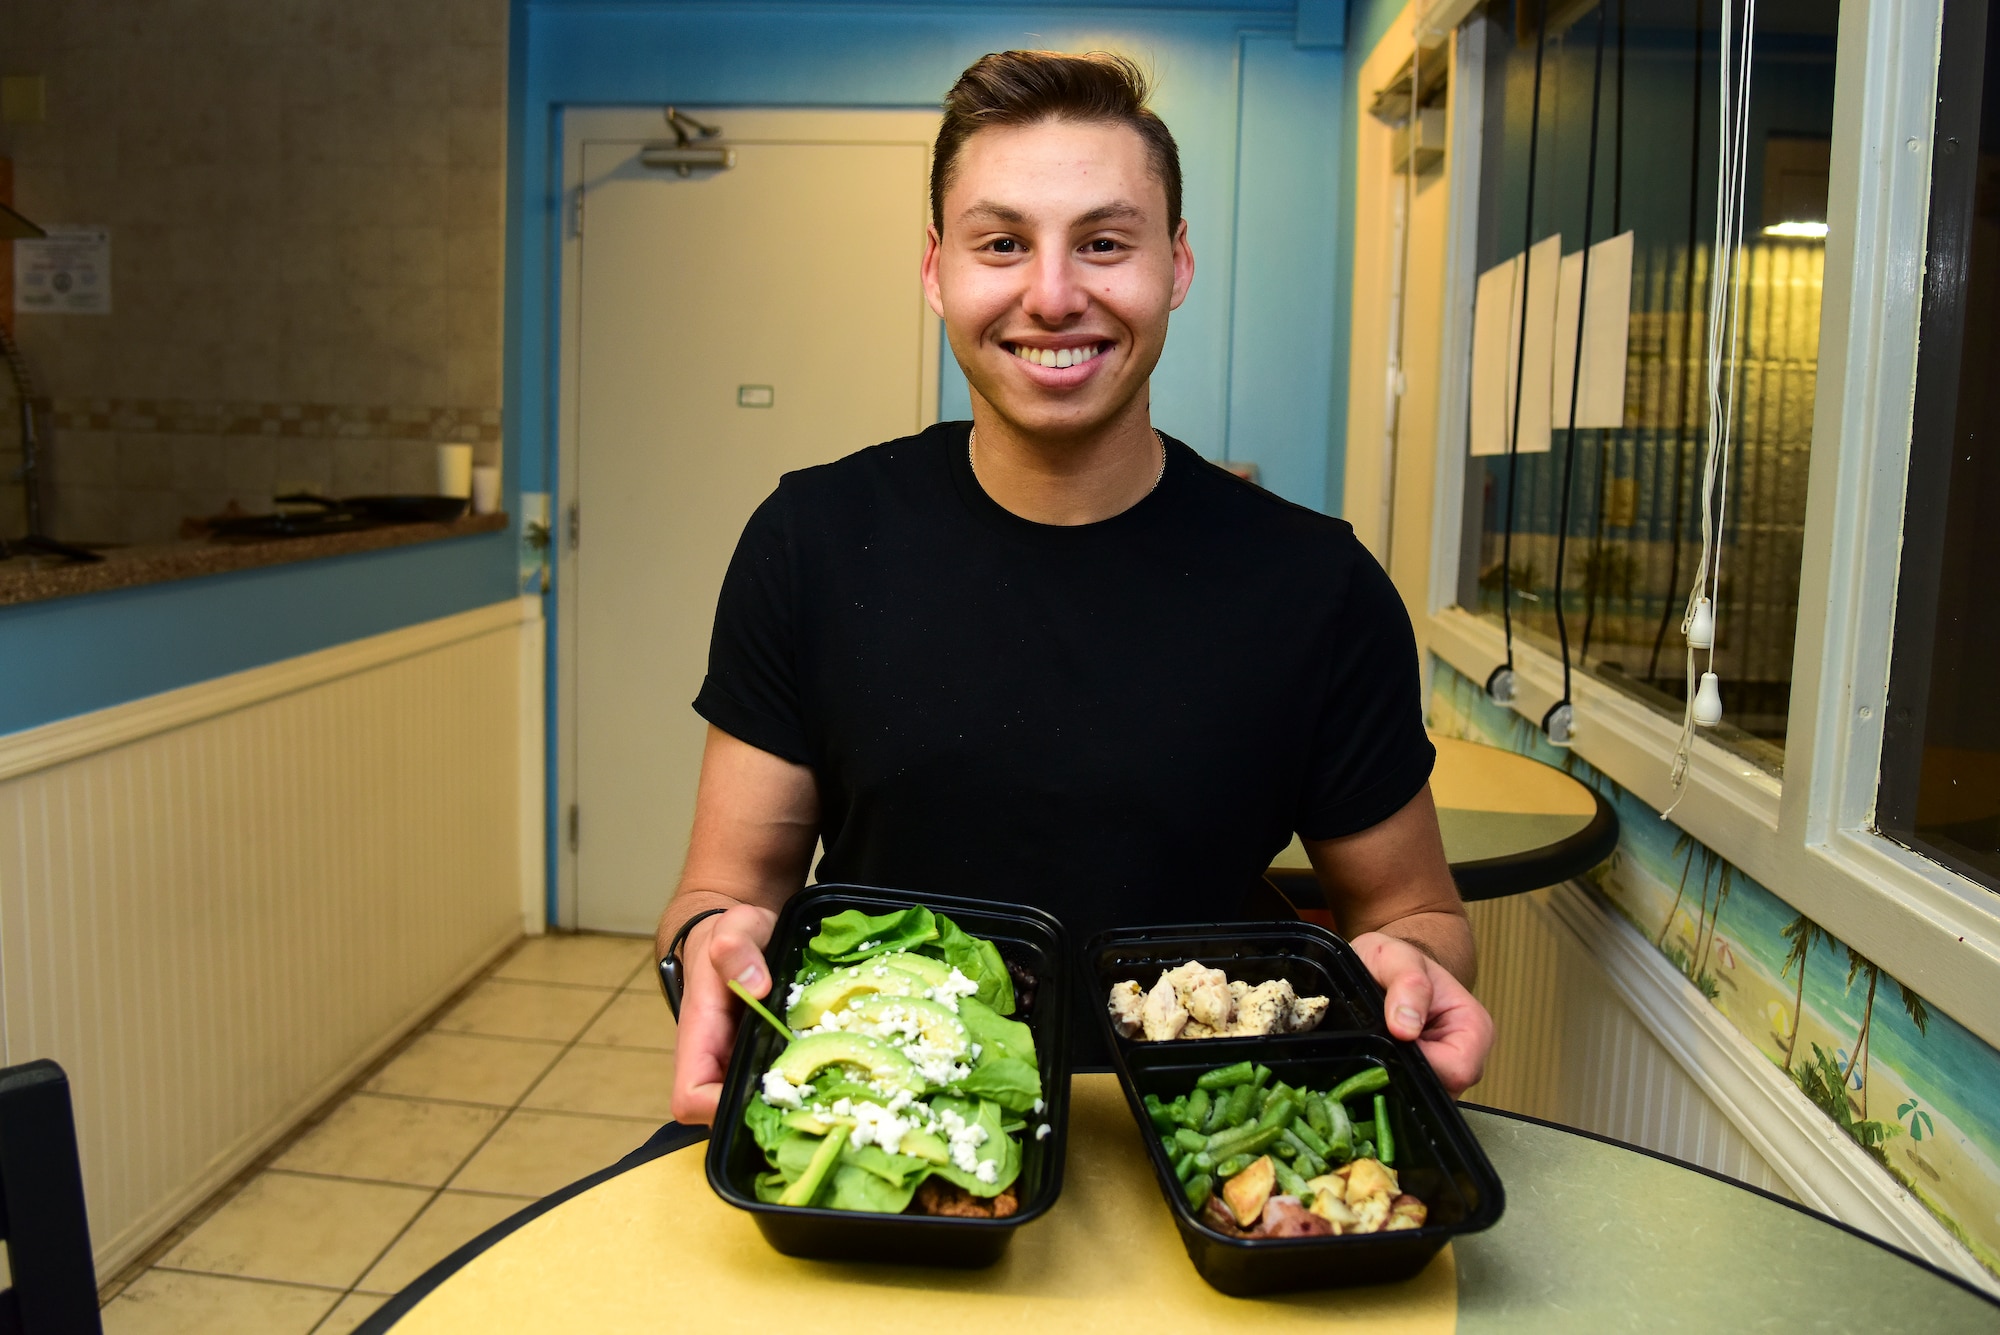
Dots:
{"x": 485, "y": 489}
{"x": 454, "y": 470}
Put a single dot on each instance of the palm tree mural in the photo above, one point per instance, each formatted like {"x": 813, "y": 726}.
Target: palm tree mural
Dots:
{"x": 1802, "y": 932}
{"x": 1683, "y": 849}
{"x": 1913, "y": 1006}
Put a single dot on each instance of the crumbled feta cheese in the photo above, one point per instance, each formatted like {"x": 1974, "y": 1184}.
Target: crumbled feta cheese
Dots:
{"x": 1042, "y": 1131}
{"x": 792, "y": 997}
{"x": 875, "y": 1124}
{"x": 843, "y": 1107}
{"x": 1039, "y": 1105}
{"x": 870, "y": 945}
{"x": 782, "y": 1093}
{"x": 988, "y": 1171}
{"x": 975, "y": 1052}
{"x": 963, "y": 1140}
{"x": 881, "y": 971}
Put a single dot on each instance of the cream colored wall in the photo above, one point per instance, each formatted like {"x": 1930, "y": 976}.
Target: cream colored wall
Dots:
{"x": 1408, "y": 552}
{"x": 218, "y": 903}
{"x": 305, "y": 205}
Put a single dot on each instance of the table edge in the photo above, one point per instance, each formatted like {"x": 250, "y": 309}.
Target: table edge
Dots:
{"x": 669, "y": 1138}
{"x": 1786, "y": 1201}
{"x": 1497, "y": 878}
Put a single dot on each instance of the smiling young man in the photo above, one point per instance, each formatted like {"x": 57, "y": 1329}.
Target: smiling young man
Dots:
{"x": 1053, "y": 657}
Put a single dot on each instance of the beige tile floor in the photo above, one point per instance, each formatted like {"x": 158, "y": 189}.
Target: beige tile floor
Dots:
{"x": 553, "y": 1065}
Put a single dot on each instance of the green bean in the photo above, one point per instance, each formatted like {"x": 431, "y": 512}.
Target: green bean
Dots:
{"x": 1364, "y": 1131}
{"x": 1364, "y": 1149}
{"x": 1260, "y": 1075}
{"x": 1160, "y": 1114}
{"x": 1316, "y": 1114}
{"x": 1284, "y": 1150}
{"x": 1280, "y": 1114}
{"x": 1239, "y": 1105}
{"x": 1340, "y": 1132}
{"x": 1221, "y": 1141}
{"x": 1218, "y": 1115}
{"x": 1185, "y": 1168}
{"x": 1228, "y": 1077}
{"x": 1197, "y": 1110}
{"x": 1307, "y": 1135}
{"x": 1198, "y": 1191}
{"x": 1308, "y": 1162}
{"x": 1385, "y": 1140}
{"x": 1367, "y": 1082}
{"x": 1291, "y": 1183}
{"x": 1179, "y": 1110}
{"x": 1191, "y": 1141}
{"x": 1233, "y": 1165}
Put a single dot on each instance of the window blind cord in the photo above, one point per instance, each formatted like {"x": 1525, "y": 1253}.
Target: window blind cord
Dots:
{"x": 1605, "y": 441}
{"x": 1702, "y": 707}
{"x": 1392, "y": 406}
{"x": 1557, "y": 724}
{"x": 1500, "y": 683}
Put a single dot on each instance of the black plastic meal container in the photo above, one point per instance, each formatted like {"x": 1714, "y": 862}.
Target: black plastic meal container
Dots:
{"x": 1313, "y": 960}
{"x": 1024, "y": 936}
{"x": 1438, "y": 1160}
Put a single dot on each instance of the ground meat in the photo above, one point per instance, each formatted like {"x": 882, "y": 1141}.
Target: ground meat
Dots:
{"x": 939, "y": 1197}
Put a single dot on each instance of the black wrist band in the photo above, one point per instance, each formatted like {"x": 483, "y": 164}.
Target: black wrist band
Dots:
{"x": 671, "y": 981}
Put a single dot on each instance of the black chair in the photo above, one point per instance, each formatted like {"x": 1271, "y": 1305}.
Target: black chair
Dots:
{"x": 41, "y": 1208}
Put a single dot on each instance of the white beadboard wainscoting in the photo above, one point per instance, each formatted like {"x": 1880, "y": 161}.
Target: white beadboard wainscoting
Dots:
{"x": 218, "y": 904}
{"x": 1598, "y": 1031}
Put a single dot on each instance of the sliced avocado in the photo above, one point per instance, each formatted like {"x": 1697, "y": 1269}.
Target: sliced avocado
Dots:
{"x": 811, "y": 1123}
{"x": 805, "y": 1057}
{"x": 925, "y": 1146}
{"x": 833, "y": 992}
{"x": 937, "y": 1025}
{"x": 923, "y": 966}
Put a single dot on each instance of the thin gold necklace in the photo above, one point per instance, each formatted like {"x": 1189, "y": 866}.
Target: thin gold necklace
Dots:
{"x": 972, "y": 438}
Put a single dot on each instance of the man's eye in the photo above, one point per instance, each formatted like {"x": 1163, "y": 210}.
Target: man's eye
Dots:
{"x": 1006, "y": 245}
{"x": 1103, "y": 245}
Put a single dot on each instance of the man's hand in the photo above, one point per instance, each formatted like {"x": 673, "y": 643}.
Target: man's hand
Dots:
{"x": 1429, "y": 1006}
{"x": 728, "y": 945}
{"x": 756, "y": 818}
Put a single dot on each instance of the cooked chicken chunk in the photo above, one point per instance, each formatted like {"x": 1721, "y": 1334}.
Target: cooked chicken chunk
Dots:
{"x": 1127, "y": 1006}
{"x": 1266, "y": 1009}
{"x": 1204, "y": 992}
{"x": 1163, "y": 1016}
{"x": 1306, "y": 1014}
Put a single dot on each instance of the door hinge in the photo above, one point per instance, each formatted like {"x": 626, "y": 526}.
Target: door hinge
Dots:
{"x": 576, "y": 213}
{"x": 573, "y": 827}
{"x": 575, "y": 524}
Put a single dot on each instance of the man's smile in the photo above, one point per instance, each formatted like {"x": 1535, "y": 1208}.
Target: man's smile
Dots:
{"x": 1068, "y": 356}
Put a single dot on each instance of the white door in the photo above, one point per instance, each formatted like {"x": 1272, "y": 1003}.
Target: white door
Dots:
{"x": 724, "y": 328}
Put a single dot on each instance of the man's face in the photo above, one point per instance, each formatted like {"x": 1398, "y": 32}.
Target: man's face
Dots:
{"x": 1056, "y": 250}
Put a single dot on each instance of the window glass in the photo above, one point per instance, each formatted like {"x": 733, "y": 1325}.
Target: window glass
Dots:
{"x": 1634, "y": 523}
{"x": 1940, "y": 789}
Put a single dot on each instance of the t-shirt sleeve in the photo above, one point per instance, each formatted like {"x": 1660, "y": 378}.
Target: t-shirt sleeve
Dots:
{"x": 752, "y": 688}
{"x": 1370, "y": 754}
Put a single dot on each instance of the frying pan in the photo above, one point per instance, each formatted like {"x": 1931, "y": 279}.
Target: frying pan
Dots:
{"x": 386, "y": 509}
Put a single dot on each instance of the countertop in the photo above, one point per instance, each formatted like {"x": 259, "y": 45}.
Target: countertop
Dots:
{"x": 31, "y": 579}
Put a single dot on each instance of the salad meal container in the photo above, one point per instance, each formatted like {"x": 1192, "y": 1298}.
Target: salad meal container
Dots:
{"x": 1025, "y": 937}
{"x": 1438, "y": 1158}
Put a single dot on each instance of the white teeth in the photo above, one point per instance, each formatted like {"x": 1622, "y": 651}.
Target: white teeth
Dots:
{"x": 1057, "y": 358}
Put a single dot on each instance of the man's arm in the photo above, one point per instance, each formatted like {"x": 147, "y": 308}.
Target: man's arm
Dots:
{"x": 1392, "y": 895}
{"x": 756, "y": 819}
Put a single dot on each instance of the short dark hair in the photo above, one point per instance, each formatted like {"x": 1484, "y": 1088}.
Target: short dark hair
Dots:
{"x": 1028, "y": 87}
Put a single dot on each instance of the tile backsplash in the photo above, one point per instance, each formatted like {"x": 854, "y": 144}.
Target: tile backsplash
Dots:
{"x": 305, "y": 203}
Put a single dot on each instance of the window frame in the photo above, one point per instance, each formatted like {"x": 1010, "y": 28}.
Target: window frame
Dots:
{"x": 1811, "y": 837}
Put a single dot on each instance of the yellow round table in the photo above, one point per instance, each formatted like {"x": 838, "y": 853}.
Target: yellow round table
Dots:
{"x": 1596, "y": 1237}
{"x": 1510, "y": 824}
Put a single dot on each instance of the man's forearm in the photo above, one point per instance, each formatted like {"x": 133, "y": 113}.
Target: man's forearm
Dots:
{"x": 1445, "y": 937}
{"x": 687, "y": 902}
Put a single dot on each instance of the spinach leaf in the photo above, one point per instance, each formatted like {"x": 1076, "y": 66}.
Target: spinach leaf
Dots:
{"x": 766, "y": 1125}
{"x": 855, "y": 1188}
{"x": 895, "y": 1169}
{"x": 976, "y": 958}
{"x": 813, "y": 966}
{"x": 852, "y": 935}
{"x": 999, "y": 1148}
{"x": 1007, "y": 1081}
{"x": 996, "y": 1035}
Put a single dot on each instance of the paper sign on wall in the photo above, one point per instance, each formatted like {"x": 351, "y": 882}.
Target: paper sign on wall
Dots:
{"x": 1502, "y": 357}
{"x": 1607, "y": 317}
{"x": 67, "y": 272}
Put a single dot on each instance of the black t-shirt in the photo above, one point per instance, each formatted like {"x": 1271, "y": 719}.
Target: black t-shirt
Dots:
{"x": 1119, "y": 722}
